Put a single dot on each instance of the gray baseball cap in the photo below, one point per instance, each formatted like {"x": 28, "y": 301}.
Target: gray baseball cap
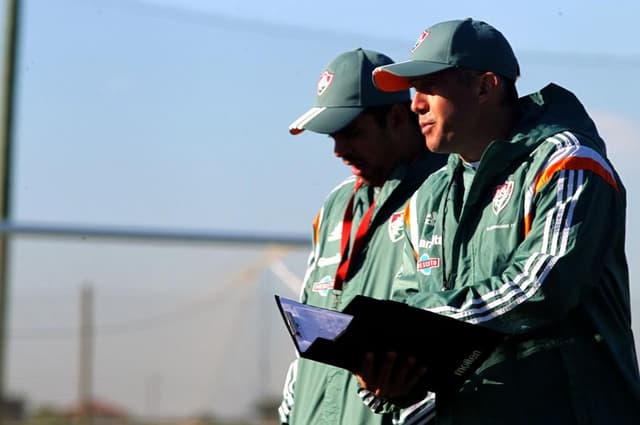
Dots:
{"x": 467, "y": 44}
{"x": 344, "y": 90}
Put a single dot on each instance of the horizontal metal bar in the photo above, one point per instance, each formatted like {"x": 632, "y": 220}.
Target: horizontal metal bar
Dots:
{"x": 151, "y": 234}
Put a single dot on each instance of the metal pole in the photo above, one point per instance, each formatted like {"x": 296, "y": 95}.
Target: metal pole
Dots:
{"x": 11, "y": 41}
{"x": 85, "y": 357}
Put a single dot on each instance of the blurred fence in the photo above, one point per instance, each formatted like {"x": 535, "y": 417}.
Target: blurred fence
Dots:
{"x": 149, "y": 330}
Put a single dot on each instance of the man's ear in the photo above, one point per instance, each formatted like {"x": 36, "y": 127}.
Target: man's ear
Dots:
{"x": 488, "y": 87}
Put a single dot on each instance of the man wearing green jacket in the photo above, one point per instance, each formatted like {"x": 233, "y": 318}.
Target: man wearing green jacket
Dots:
{"x": 522, "y": 232}
{"x": 358, "y": 233}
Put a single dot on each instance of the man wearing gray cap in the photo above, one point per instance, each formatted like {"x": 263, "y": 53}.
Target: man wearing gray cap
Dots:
{"x": 358, "y": 233}
{"x": 524, "y": 231}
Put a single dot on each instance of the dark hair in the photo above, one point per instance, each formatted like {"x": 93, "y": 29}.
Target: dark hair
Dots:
{"x": 507, "y": 85}
{"x": 379, "y": 113}
{"x": 466, "y": 76}
{"x": 509, "y": 91}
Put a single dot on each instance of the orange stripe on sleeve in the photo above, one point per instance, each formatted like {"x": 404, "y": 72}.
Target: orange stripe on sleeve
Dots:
{"x": 316, "y": 229}
{"x": 527, "y": 224}
{"x": 571, "y": 163}
{"x": 407, "y": 223}
{"x": 407, "y": 215}
{"x": 575, "y": 163}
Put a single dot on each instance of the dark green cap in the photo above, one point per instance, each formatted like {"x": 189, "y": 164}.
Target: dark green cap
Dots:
{"x": 466, "y": 44}
{"x": 344, "y": 90}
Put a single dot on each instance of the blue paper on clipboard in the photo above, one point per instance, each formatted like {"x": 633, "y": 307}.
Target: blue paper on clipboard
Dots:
{"x": 307, "y": 324}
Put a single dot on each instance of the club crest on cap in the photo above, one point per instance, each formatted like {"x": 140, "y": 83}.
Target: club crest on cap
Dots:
{"x": 323, "y": 83}
{"x": 420, "y": 39}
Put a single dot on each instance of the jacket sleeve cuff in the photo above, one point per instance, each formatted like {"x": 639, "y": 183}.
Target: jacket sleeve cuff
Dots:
{"x": 376, "y": 404}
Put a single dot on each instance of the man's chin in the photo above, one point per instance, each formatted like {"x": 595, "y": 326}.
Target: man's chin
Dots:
{"x": 356, "y": 171}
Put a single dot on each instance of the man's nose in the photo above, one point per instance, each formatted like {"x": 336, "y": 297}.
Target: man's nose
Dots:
{"x": 419, "y": 104}
{"x": 340, "y": 147}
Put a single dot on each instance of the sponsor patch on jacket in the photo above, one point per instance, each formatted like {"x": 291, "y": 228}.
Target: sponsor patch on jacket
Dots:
{"x": 323, "y": 286}
{"x": 323, "y": 83}
{"x": 425, "y": 264}
{"x": 430, "y": 219}
{"x": 396, "y": 226}
{"x": 502, "y": 196}
{"x": 435, "y": 240}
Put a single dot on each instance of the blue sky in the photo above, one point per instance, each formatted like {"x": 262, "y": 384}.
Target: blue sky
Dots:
{"x": 174, "y": 114}
{"x": 183, "y": 114}
{"x": 565, "y": 26}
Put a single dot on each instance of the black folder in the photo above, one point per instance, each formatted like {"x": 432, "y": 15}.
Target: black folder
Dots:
{"x": 450, "y": 349}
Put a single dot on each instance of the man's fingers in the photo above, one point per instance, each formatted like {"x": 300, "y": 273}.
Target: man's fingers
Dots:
{"x": 365, "y": 376}
{"x": 403, "y": 376}
{"x": 367, "y": 367}
{"x": 390, "y": 377}
{"x": 416, "y": 377}
{"x": 385, "y": 372}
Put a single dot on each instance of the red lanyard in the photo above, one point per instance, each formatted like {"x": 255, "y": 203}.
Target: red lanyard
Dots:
{"x": 345, "y": 257}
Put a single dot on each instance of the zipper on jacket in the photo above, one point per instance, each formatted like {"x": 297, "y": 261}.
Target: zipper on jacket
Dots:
{"x": 445, "y": 283}
{"x": 335, "y": 293}
{"x": 448, "y": 280}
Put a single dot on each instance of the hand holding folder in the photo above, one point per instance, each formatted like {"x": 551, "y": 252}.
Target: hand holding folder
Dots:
{"x": 450, "y": 349}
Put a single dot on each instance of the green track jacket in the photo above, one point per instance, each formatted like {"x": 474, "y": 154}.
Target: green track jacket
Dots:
{"x": 317, "y": 394}
{"x": 534, "y": 249}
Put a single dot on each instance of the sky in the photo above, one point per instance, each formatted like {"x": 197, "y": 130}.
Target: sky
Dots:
{"x": 169, "y": 114}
